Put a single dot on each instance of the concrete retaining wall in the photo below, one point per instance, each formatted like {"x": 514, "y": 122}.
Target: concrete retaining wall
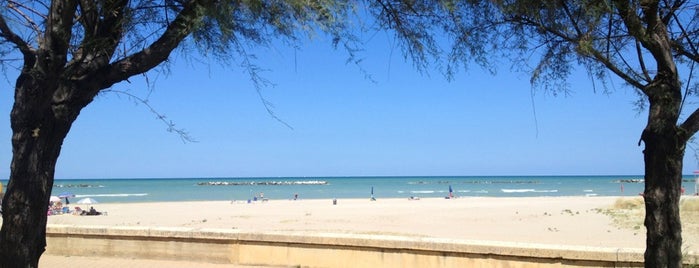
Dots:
{"x": 322, "y": 250}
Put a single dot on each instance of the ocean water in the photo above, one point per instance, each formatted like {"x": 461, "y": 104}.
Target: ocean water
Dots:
{"x": 200, "y": 189}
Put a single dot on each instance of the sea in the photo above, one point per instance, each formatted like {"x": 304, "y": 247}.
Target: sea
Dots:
{"x": 242, "y": 189}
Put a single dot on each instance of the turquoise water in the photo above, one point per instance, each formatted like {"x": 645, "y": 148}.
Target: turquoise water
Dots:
{"x": 199, "y": 189}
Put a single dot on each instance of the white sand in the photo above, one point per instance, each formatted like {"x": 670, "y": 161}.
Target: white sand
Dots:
{"x": 549, "y": 220}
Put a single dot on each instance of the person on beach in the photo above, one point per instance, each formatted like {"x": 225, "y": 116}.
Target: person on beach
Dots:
{"x": 92, "y": 212}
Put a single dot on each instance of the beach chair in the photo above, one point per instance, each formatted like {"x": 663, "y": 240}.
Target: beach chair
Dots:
{"x": 77, "y": 211}
{"x": 65, "y": 210}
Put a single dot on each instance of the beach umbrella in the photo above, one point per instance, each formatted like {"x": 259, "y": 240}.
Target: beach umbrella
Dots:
{"x": 87, "y": 201}
{"x": 450, "y": 192}
{"x": 54, "y": 198}
{"x": 66, "y": 195}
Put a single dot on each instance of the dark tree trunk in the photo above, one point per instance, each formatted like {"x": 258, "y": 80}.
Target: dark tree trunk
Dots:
{"x": 663, "y": 155}
{"x": 663, "y": 160}
{"x": 38, "y": 130}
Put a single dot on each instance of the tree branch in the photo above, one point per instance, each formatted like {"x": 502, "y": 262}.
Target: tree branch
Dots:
{"x": 14, "y": 6}
{"x": 607, "y": 63}
{"x": 56, "y": 43}
{"x": 9, "y": 35}
{"x": 632, "y": 21}
{"x": 572, "y": 19}
{"x": 597, "y": 55}
{"x": 184, "y": 24}
{"x": 103, "y": 30}
{"x": 110, "y": 28}
{"x": 655, "y": 41}
{"x": 691, "y": 125}
{"x": 639, "y": 54}
{"x": 672, "y": 10}
{"x": 677, "y": 44}
{"x": 89, "y": 18}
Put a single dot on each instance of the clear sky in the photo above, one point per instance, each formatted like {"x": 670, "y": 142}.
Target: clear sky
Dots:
{"x": 402, "y": 123}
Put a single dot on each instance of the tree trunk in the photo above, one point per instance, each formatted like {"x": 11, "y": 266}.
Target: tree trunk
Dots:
{"x": 663, "y": 155}
{"x": 663, "y": 160}
{"x": 38, "y": 135}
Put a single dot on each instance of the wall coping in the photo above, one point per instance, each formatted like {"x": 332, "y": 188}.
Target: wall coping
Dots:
{"x": 428, "y": 244}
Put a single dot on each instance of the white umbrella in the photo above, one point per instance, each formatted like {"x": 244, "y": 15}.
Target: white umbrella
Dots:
{"x": 87, "y": 201}
{"x": 54, "y": 198}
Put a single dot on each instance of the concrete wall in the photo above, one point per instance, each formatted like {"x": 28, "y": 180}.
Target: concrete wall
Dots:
{"x": 323, "y": 250}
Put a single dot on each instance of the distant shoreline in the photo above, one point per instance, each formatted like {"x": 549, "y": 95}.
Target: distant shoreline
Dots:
{"x": 211, "y": 189}
{"x": 359, "y": 177}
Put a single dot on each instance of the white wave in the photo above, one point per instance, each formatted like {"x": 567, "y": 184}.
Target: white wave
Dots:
{"x": 517, "y": 190}
{"x": 591, "y": 194}
{"x": 421, "y": 192}
{"x": 109, "y": 195}
{"x": 463, "y": 191}
{"x": 527, "y": 191}
{"x": 481, "y": 191}
{"x": 588, "y": 191}
{"x": 546, "y": 191}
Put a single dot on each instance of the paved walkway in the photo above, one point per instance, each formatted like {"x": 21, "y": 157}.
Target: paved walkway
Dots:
{"x": 104, "y": 262}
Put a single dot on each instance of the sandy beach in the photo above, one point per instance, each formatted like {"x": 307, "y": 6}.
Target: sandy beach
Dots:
{"x": 611, "y": 222}
{"x": 584, "y": 221}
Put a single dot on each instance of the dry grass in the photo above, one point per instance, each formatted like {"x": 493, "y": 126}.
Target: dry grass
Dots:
{"x": 689, "y": 214}
{"x": 626, "y": 212}
{"x": 629, "y": 212}
{"x": 689, "y": 205}
{"x": 628, "y": 203}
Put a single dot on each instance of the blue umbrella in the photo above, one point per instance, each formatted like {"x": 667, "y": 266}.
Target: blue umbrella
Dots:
{"x": 66, "y": 195}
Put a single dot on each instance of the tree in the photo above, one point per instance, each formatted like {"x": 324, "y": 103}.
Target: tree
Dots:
{"x": 71, "y": 50}
{"x": 642, "y": 43}
{"x": 647, "y": 44}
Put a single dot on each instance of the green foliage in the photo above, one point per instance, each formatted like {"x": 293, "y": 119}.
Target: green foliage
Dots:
{"x": 607, "y": 38}
{"x": 232, "y": 23}
{"x": 545, "y": 38}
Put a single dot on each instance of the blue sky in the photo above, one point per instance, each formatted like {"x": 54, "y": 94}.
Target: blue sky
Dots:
{"x": 402, "y": 123}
